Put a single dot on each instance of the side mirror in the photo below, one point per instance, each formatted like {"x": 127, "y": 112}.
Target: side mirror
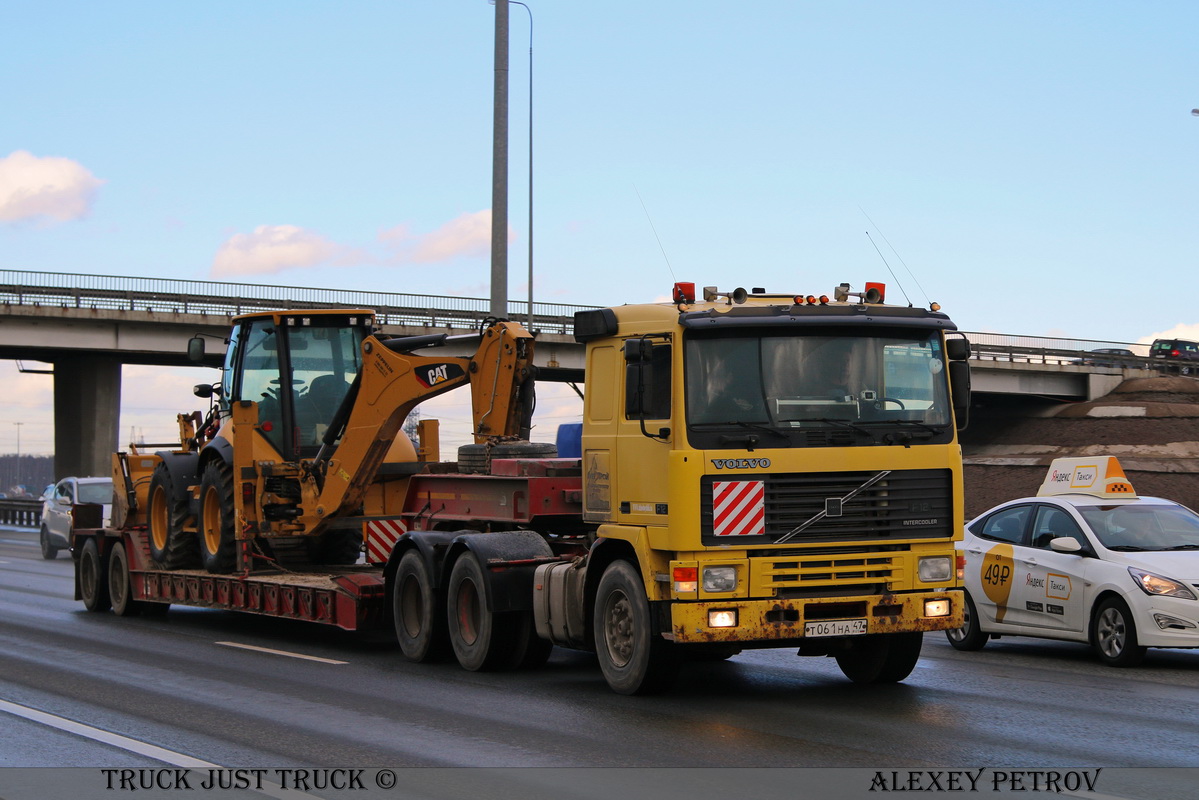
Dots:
{"x": 1065, "y": 544}
{"x": 195, "y": 349}
{"x": 959, "y": 387}
{"x": 204, "y": 390}
{"x": 637, "y": 351}
{"x": 957, "y": 348}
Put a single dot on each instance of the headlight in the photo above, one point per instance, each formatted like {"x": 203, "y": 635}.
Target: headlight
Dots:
{"x": 720, "y": 579}
{"x": 934, "y": 570}
{"x": 1156, "y": 584}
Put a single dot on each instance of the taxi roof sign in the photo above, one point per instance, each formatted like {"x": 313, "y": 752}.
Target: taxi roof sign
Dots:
{"x": 1098, "y": 476}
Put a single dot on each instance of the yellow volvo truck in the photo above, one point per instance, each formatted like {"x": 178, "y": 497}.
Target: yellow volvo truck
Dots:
{"x": 757, "y": 470}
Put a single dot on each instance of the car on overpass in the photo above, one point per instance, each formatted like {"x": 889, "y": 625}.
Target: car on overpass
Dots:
{"x": 61, "y": 507}
{"x": 1086, "y": 560}
{"x": 1180, "y": 355}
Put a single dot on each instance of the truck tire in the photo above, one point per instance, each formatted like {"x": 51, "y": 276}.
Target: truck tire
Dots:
{"x": 477, "y": 458}
{"x": 419, "y": 612}
{"x": 49, "y": 551}
{"x": 881, "y": 658}
{"x": 218, "y": 545}
{"x": 482, "y": 640}
{"x": 170, "y": 546}
{"x": 120, "y": 588}
{"x": 633, "y": 657}
{"x": 93, "y": 578}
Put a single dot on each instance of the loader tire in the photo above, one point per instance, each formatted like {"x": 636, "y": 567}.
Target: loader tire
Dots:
{"x": 170, "y": 546}
{"x": 336, "y": 547}
{"x": 217, "y": 540}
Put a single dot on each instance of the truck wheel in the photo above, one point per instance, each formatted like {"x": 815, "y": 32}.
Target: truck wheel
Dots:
{"x": 420, "y": 618}
{"x": 634, "y": 659}
{"x": 218, "y": 546}
{"x": 170, "y": 546}
{"x": 970, "y": 636}
{"x": 120, "y": 588}
{"x": 93, "y": 578}
{"x": 481, "y": 639}
{"x": 49, "y": 551}
{"x": 881, "y": 658}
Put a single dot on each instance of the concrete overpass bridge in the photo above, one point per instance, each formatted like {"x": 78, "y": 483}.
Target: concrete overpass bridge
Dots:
{"x": 88, "y": 326}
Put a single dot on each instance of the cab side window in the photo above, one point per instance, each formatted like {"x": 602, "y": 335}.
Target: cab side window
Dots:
{"x": 1006, "y": 526}
{"x": 647, "y": 386}
{"x": 1052, "y": 523}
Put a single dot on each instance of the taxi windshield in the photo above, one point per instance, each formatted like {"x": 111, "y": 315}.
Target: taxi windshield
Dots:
{"x": 1144, "y": 526}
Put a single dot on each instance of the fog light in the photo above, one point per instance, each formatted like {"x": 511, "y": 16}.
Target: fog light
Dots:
{"x": 1171, "y": 623}
{"x": 722, "y": 618}
{"x": 936, "y": 608}
{"x": 720, "y": 579}
{"x": 933, "y": 570}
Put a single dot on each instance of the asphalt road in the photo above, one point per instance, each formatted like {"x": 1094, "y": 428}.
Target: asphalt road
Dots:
{"x": 94, "y": 690}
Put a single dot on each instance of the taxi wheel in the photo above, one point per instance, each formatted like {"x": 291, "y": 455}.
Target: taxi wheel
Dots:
{"x": 970, "y": 636}
{"x": 1114, "y": 634}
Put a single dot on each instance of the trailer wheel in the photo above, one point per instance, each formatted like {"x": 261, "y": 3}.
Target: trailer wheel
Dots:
{"x": 420, "y": 617}
{"x": 530, "y": 650}
{"x": 93, "y": 578}
{"x": 885, "y": 658}
{"x": 170, "y": 546}
{"x": 120, "y": 589}
{"x": 634, "y": 659}
{"x": 218, "y": 545}
{"x": 482, "y": 640}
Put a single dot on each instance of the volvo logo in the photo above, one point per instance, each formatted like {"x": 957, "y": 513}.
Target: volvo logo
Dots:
{"x": 741, "y": 463}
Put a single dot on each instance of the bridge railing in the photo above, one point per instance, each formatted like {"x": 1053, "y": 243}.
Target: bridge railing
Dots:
{"x": 1060, "y": 351}
{"x": 20, "y": 513}
{"x": 70, "y": 290}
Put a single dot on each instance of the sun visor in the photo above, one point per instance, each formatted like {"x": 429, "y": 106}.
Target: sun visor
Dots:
{"x": 1097, "y": 476}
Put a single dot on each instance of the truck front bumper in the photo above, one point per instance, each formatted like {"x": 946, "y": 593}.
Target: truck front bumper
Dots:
{"x": 781, "y": 620}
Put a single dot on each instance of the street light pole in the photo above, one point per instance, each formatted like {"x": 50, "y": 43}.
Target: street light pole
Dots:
{"x": 529, "y": 318}
{"x": 499, "y": 168}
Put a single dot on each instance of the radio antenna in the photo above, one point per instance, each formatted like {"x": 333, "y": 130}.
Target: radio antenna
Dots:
{"x": 655, "y": 230}
{"x": 897, "y": 255}
{"x": 893, "y": 275}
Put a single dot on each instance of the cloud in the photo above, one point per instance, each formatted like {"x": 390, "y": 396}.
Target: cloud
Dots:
{"x": 1183, "y": 330}
{"x": 468, "y": 236}
{"x": 274, "y": 248}
{"x": 55, "y": 188}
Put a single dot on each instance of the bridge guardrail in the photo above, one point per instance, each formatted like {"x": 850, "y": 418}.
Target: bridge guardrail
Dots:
{"x": 69, "y": 290}
{"x": 20, "y": 513}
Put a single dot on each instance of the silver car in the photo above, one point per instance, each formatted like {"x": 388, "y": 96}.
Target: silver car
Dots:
{"x": 58, "y": 510}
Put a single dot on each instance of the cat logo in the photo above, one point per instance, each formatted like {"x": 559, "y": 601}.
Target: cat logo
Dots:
{"x": 432, "y": 375}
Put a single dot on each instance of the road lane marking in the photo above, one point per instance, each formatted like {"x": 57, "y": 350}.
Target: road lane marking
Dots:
{"x": 282, "y": 653}
{"x": 141, "y": 748}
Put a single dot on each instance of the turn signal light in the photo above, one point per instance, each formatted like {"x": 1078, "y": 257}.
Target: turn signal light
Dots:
{"x": 686, "y": 579}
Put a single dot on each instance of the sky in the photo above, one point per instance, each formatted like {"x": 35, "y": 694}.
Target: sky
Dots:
{"x": 1031, "y": 166}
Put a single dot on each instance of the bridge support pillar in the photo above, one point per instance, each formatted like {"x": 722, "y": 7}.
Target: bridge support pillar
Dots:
{"x": 87, "y": 408}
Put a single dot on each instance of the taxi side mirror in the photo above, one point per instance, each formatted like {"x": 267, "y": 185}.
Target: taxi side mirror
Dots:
{"x": 1065, "y": 544}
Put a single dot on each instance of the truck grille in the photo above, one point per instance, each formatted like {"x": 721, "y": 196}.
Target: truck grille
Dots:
{"x": 902, "y": 504}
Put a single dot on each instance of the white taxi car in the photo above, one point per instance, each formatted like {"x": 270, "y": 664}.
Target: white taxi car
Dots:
{"x": 1085, "y": 560}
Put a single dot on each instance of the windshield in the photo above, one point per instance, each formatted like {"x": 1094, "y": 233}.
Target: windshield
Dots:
{"x": 1144, "y": 526}
{"x": 100, "y": 492}
{"x": 869, "y": 389}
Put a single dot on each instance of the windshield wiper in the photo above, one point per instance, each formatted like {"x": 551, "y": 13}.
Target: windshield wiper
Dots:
{"x": 1130, "y": 548}
{"x": 749, "y": 440}
{"x": 844, "y": 423}
{"x": 1182, "y": 547}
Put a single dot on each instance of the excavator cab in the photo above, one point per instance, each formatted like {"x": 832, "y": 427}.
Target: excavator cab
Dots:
{"x": 298, "y": 368}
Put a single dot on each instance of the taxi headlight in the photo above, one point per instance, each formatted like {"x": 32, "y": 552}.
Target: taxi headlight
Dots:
{"x": 1158, "y": 585}
{"x": 935, "y": 569}
{"x": 720, "y": 579}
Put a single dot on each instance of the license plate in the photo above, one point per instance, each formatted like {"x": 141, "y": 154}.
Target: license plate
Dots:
{"x": 835, "y": 627}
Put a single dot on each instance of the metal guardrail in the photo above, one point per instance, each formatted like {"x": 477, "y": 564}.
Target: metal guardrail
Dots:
{"x": 1061, "y": 352}
{"x": 71, "y": 290}
{"x": 20, "y": 513}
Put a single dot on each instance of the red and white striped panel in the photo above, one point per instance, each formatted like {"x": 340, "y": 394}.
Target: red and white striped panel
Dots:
{"x": 739, "y": 508}
{"x": 381, "y": 537}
